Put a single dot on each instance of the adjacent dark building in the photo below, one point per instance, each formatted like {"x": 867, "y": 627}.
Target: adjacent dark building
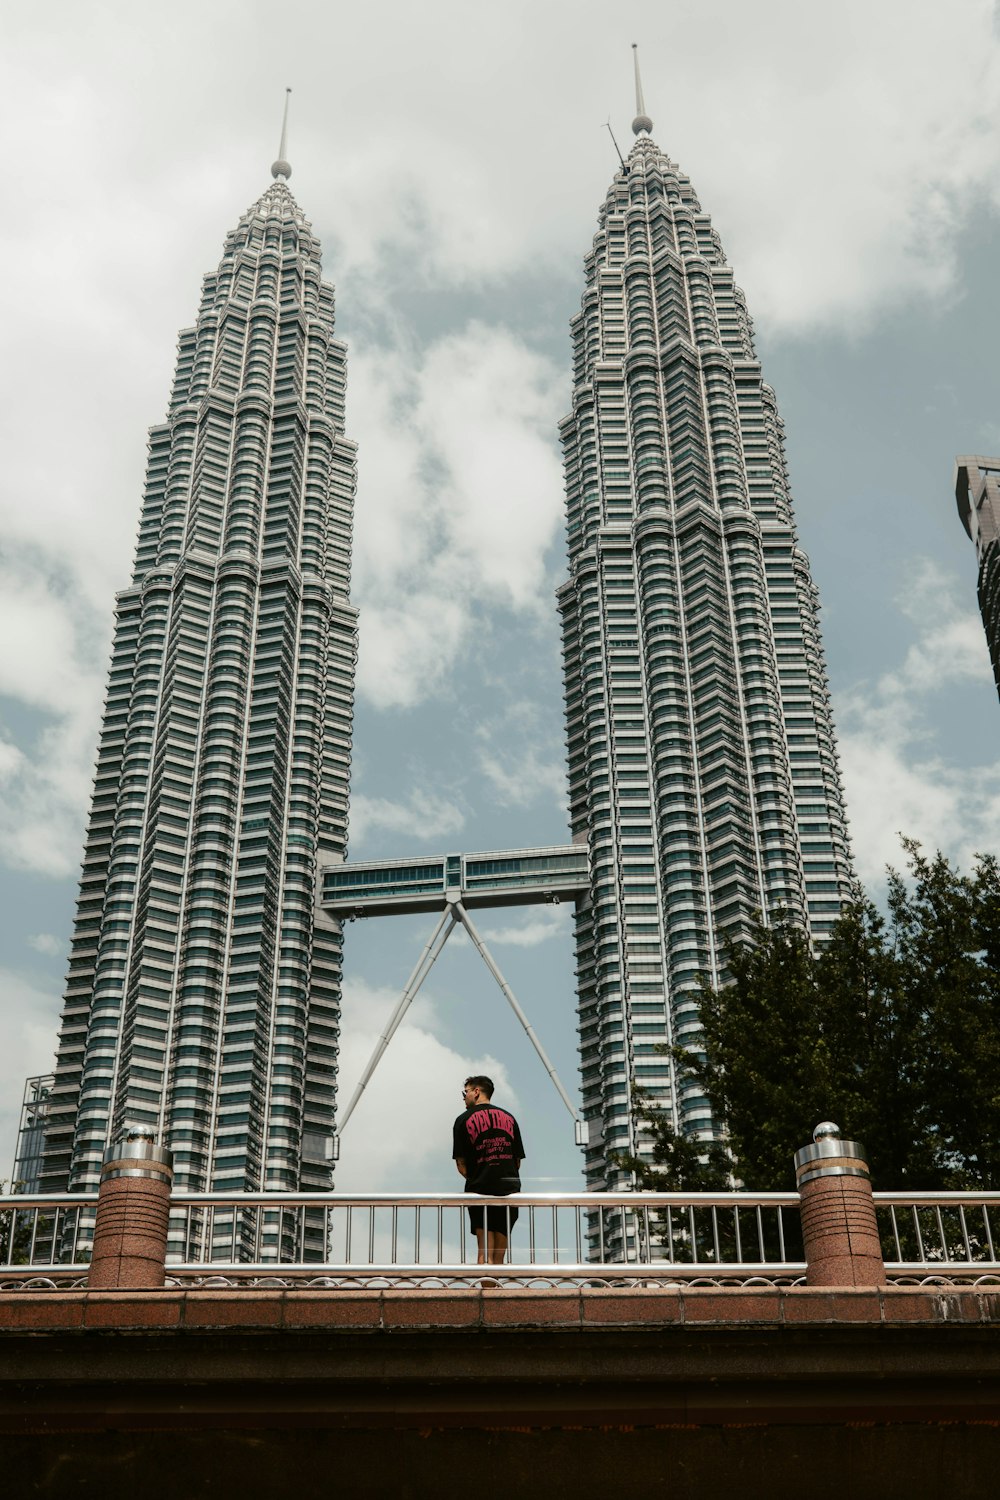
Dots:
{"x": 977, "y": 491}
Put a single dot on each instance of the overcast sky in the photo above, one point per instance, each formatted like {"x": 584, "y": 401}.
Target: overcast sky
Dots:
{"x": 453, "y": 157}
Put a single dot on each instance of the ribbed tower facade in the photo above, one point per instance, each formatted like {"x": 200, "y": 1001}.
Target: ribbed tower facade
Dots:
{"x": 203, "y": 997}
{"x": 702, "y": 763}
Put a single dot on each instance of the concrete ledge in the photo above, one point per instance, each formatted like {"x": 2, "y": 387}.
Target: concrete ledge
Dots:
{"x": 267, "y": 1310}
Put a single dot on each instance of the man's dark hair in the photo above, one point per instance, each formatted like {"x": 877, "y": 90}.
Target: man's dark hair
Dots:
{"x": 480, "y": 1081}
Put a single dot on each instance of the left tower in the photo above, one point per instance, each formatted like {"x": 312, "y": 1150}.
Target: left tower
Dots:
{"x": 203, "y": 999}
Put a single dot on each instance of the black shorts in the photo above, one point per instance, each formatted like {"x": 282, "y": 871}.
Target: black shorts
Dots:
{"x": 498, "y": 1220}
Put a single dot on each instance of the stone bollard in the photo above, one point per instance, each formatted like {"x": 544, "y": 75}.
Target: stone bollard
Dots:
{"x": 133, "y": 1204}
{"x": 838, "y": 1213}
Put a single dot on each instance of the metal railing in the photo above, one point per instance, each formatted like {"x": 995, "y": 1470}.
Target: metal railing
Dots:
{"x": 557, "y": 1239}
{"x": 422, "y": 1239}
{"x": 44, "y": 1239}
{"x": 940, "y": 1238}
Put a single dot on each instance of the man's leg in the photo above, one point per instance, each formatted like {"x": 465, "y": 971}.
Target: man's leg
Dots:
{"x": 484, "y": 1239}
{"x": 497, "y": 1247}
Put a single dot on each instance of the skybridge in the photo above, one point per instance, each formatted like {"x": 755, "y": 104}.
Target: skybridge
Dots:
{"x": 510, "y": 877}
{"x": 451, "y": 884}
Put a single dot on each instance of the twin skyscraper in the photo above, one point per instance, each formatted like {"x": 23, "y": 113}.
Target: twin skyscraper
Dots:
{"x": 203, "y": 999}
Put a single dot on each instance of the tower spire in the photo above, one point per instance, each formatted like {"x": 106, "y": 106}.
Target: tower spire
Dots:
{"x": 642, "y": 122}
{"x": 281, "y": 168}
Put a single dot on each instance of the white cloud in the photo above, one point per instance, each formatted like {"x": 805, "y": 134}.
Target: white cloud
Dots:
{"x": 399, "y": 1137}
{"x": 895, "y": 780}
{"x": 521, "y": 750}
{"x": 425, "y": 815}
{"x": 950, "y": 646}
{"x": 11, "y": 759}
{"x": 460, "y": 495}
{"x": 51, "y": 661}
{"x": 520, "y": 775}
{"x": 943, "y": 807}
{"x": 47, "y": 943}
{"x": 43, "y": 636}
{"x": 556, "y": 923}
{"x": 409, "y": 640}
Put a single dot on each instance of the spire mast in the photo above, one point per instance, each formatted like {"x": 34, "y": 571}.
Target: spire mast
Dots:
{"x": 281, "y": 168}
{"x": 642, "y": 122}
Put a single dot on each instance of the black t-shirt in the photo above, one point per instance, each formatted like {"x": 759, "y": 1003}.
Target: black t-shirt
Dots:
{"x": 488, "y": 1140}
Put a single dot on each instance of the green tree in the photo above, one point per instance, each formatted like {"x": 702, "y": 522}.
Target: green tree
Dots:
{"x": 892, "y": 1030}
{"x": 947, "y": 933}
{"x": 875, "y": 1041}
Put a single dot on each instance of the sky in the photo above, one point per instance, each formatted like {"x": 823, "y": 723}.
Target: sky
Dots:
{"x": 452, "y": 158}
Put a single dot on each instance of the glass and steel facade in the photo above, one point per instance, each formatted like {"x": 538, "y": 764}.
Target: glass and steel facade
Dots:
{"x": 31, "y": 1134}
{"x": 702, "y": 765}
{"x": 203, "y": 998}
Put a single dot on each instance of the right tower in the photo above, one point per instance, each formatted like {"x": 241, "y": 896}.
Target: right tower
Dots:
{"x": 703, "y": 770}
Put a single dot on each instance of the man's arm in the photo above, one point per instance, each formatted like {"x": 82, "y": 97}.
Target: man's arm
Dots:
{"x": 458, "y": 1144}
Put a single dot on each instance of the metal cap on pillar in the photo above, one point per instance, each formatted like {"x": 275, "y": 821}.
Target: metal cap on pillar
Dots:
{"x": 137, "y": 1155}
{"x": 830, "y": 1156}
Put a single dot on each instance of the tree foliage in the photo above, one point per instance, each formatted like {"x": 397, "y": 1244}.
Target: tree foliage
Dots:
{"x": 677, "y": 1163}
{"x": 892, "y": 1030}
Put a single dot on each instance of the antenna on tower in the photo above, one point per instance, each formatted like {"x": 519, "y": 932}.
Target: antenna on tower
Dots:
{"x": 642, "y": 122}
{"x": 281, "y": 168}
{"x": 612, "y": 135}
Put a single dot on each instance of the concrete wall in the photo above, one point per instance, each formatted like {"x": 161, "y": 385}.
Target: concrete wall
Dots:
{"x": 815, "y": 1393}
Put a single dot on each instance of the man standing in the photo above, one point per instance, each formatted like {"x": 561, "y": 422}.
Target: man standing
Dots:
{"x": 488, "y": 1152}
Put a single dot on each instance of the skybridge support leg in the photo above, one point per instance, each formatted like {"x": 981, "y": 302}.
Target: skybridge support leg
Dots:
{"x": 580, "y": 1126}
{"x": 424, "y": 964}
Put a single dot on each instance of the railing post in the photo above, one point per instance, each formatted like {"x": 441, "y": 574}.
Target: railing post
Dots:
{"x": 133, "y": 1207}
{"x": 839, "y": 1229}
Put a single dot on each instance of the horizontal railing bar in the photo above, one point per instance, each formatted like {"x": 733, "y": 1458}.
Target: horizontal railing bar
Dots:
{"x": 572, "y": 1270}
{"x": 48, "y": 1200}
{"x": 342, "y": 1200}
{"x": 981, "y": 1267}
{"x": 37, "y": 1268}
{"x": 464, "y": 1200}
{"x": 22, "y": 1201}
{"x": 929, "y": 1199}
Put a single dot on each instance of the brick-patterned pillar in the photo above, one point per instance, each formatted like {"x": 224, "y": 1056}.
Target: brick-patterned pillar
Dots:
{"x": 838, "y": 1212}
{"x": 133, "y": 1204}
